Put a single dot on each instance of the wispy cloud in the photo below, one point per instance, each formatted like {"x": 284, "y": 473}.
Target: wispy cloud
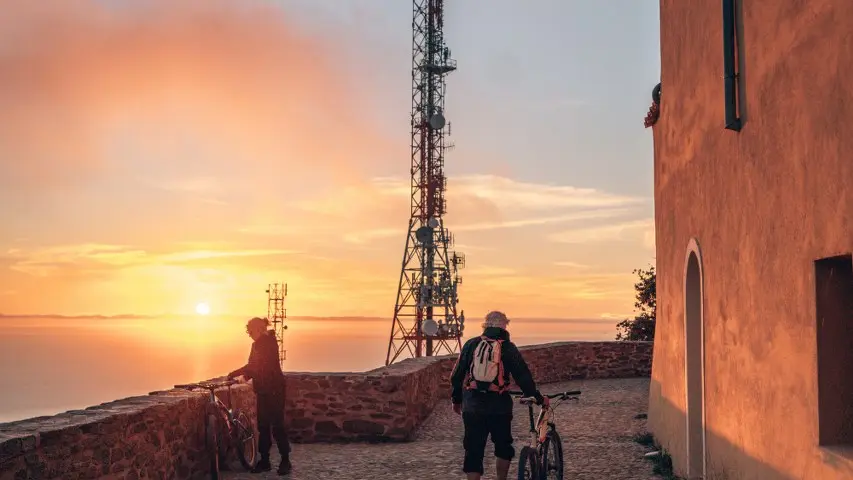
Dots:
{"x": 608, "y": 232}
{"x": 513, "y": 194}
{"x": 365, "y": 236}
{"x": 466, "y": 247}
{"x": 203, "y": 189}
{"x": 487, "y": 271}
{"x": 48, "y": 261}
{"x": 209, "y": 254}
{"x": 571, "y": 217}
{"x": 573, "y": 265}
{"x": 370, "y": 235}
{"x": 479, "y": 203}
{"x": 281, "y": 230}
{"x": 199, "y": 185}
{"x": 553, "y": 292}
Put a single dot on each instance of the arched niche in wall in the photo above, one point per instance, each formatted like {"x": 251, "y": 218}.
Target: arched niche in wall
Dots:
{"x": 694, "y": 344}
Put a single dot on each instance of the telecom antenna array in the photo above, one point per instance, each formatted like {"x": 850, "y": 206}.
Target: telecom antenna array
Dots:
{"x": 425, "y": 320}
{"x": 277, "y": 314}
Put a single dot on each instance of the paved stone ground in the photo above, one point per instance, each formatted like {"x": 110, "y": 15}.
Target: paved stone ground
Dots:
{"x": 597, "y": 434}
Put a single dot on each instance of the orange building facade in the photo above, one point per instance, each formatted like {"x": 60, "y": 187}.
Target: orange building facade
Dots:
{"x": 752, "y": 375}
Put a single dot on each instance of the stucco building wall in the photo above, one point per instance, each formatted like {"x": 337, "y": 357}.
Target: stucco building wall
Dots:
{"x": 763, "y": 204}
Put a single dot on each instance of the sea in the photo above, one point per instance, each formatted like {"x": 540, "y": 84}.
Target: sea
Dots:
{"x": 51, "y": 364}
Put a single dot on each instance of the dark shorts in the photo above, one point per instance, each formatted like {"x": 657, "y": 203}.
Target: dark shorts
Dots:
{"x": 478, "y": 428}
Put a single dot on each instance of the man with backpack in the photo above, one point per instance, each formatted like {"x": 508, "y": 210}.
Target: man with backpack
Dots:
{"x": 480, "y": 381}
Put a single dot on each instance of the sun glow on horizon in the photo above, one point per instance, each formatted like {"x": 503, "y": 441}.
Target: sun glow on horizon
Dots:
{"x": 202, "y": 309}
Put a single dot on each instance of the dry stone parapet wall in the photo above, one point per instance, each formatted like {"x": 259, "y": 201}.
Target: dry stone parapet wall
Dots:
{"x": 161, "y": 435}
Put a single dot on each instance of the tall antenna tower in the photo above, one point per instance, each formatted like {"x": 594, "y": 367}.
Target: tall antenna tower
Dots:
{"x": 425, "y": 320}
{"x": 277, "y": 314}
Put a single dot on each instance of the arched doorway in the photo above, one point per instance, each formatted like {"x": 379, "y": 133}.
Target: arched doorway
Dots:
{"x": 694, "y": 362}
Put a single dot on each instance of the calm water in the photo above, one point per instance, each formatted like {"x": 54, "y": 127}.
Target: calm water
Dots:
{"x": 51, "y": 365}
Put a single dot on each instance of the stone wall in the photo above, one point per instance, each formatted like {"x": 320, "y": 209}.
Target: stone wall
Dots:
{"x": 558, "y": 362}
{"x": 162, "y": 435}
{"x": 390, "y": 402}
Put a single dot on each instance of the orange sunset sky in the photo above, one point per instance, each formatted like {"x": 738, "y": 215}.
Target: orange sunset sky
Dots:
{"x": 154, "y": 155}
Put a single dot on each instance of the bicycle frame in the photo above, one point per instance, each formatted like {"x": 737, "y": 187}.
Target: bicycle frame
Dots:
{"x": 223, "y": 428}
{"x": 223, "y": 410}
{"x": 542, "y": 422}
{"x": 534, "y": 458}
{"x": 539, "y": 427}
{"x": 214, "y": 404}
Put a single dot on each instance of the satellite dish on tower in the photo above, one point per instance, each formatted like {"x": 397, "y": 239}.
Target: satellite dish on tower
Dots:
{"x": 429, "y": 327}
{"x": 437, "y": 121}
{"x": 424, "y": 235}
{"x": 433, "y": 222}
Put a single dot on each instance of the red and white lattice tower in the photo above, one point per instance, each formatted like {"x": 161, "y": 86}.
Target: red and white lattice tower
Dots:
{"x": 425, "y": 319}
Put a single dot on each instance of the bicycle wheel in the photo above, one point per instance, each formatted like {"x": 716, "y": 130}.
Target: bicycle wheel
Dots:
{"x": 552, "y": 456}
{"x": 528, "y": 465}
{"x": 212, "y": 440}
{"x": 244, "y": 441}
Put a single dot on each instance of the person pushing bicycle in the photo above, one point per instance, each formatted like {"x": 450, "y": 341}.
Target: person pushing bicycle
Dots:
{"x": 480, "y": 382}
{"x": 264, "y": 368}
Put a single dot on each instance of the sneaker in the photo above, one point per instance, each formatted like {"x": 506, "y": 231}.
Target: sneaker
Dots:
{"x": 262, "y": 466}
{"x": 285, "y": 467}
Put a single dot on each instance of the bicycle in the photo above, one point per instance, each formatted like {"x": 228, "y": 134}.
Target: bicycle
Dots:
{"x": 225, "y": 428}
{"x": 545, "y": 452}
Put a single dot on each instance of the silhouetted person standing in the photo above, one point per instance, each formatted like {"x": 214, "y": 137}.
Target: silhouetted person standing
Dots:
{"x": 480, "y": 381}
{"x": 264, "y": 368}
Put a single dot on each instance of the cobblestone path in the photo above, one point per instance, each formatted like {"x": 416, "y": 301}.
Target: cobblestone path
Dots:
{"x": 597, "y": 434}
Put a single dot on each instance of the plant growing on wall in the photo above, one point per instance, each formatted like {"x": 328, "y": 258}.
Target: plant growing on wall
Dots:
{"x": 642, "y": 326}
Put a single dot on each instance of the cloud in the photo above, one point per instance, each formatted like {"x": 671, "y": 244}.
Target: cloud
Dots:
{"x": 465, "y": 247}
{"x": 571, "y": 217}
{"x": 370, "y": 235}
{"x": 573, "y": 265}
{"x": 501, "y": 192}
{"x": 543, "y": 292}
{"x": 124, "y": 278}
{"x": 650, "y": 236}
{"x": 379, "y": 209}
{"x": 190, "y": 185}
{"x": 193, "y": 255}
{"x": 93, "y": 258}
{"x": 594, "y": 286}
{"x": 513, "y": 194}
{"x": 487, "y": 271}
{"x": 279, "y": 230}
{"x": 366, "y": 236}
{"x": 610, "y": 232}
{"x": 233, "y": 89}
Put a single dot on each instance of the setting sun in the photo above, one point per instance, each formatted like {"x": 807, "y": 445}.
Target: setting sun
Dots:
{"x": 202, "y": 309}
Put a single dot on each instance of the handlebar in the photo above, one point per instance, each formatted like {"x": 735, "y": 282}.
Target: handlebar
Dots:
{"x": 530, "y": 400}
{"x": 207, "y": 385}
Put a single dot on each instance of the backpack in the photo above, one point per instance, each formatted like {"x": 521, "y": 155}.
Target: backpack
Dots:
{"x": 486, "y": 373}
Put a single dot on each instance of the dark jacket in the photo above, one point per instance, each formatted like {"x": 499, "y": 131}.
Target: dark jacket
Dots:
{"x": 492, "y": 402}
{"x": 264, "y": 367}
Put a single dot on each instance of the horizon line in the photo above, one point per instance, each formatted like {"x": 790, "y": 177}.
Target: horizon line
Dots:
{"x": 130, "y": 316}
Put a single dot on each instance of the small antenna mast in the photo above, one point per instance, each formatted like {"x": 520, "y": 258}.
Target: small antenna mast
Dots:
{"x": 277, "y": 314}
